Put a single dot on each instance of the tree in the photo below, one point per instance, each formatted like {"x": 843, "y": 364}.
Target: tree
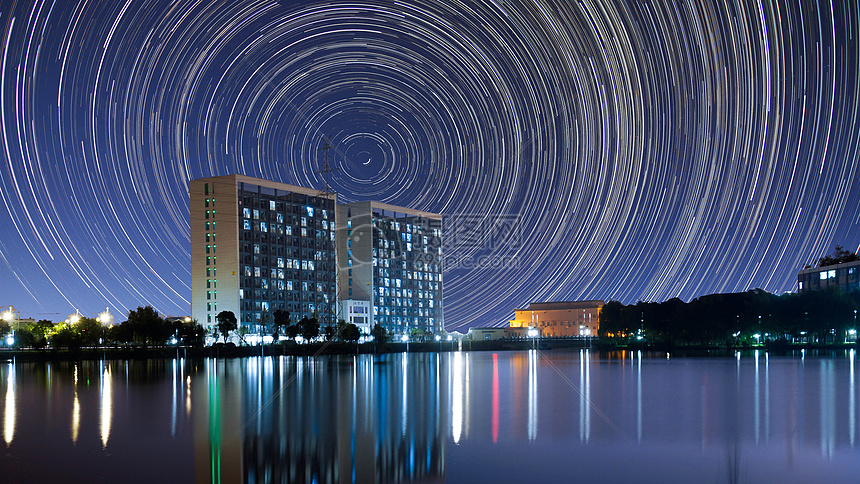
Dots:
{"x": 379, "y": 333}
{"x": 419, "y": 334}
{"x": 264, "y": 321}
{"x": 189, "y": 333}
{"x": 226, "y": 322}
{"x": 839, "y": 256}
{"x": 64, "y": 336}
{"x": 610, "y": 321}
{"x": 40, "y": 331}
{"x": 148, "y": 327}
{"x": 329, "y": 332}
{"x": 310, "y": 328}
{"x": 350, "y": 333}
{"x": 293, "y": 330}
{"x": 89, "y": 331}
{"x": 281, "y": 321}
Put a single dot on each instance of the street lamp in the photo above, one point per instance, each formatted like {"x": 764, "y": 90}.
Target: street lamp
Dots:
{"x": 532, "y": 333}
{"x": 9, "y": 315}
{"x": 439, "y": 340}
{"x": 757, "y": 336}
{"x": 405, "y": 339}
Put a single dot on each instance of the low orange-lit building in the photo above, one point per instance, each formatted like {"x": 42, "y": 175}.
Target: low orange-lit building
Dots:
{"x": 562, "y": 318}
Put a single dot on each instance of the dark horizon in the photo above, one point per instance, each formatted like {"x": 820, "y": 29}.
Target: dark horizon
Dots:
{"x": 626, "y": 152}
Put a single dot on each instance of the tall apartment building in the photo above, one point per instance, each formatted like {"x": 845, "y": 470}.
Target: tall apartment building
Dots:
{"x": 390, "y": 261}
{"x": 258, "y": 246}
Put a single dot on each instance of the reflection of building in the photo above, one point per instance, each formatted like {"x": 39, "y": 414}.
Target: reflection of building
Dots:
{"x": 844, "y": 276}
{"x": 564, "y": 318}
{"x": 258, "y": 246}
{"x": 391, "y": 257}
{"x": 362, "y": 419}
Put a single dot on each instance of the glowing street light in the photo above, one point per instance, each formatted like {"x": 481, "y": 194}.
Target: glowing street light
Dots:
{"x": 533, "y": 334}
{"x": 10, "y": 316}
{"x": 757, "y": 337}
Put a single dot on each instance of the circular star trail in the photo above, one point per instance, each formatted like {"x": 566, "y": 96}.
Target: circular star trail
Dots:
{"x": 599, "y": 150}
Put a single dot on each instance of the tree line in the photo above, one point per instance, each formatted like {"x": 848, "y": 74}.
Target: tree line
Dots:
{"x": 752, "y": 317}
{"x": 144, "y": 327}
{"x": 281, "y": 324}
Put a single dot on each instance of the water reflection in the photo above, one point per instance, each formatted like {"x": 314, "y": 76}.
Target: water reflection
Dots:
{"x": 359, "y": 419}
{"x": 426, "y": 417}
{"x": 9, "y": 408}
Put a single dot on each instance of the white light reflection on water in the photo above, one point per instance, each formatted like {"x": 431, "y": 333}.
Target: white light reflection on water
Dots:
{"x": 9, "y": 408}
{"x": 852, "y": 406}
{"x": 458, "y": 380}
{"x": 584, "y": 396}
{"x": 757, "y": 394}
{"x": 533, "y": 395}
{"x": 174, "y": 407}
{"x": 105, "y": 404}
{"x": 639, "y": 395}
{"x": 76, "y": 410}
{"x": 828, "y": 408}
{"x": 405, "y": 393}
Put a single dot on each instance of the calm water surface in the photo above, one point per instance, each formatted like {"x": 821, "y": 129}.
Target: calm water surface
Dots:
{"x": 452, "y": 417}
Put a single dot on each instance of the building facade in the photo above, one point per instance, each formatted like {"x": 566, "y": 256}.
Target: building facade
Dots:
{"x": 391, "y": 258}
{"x": 560, "y": 319}
{"x": 258, "y": 246}
{"x": 844, "y": 276}
{"x": 493, "y": 334}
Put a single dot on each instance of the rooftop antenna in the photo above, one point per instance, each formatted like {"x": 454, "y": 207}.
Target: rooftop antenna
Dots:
{"x": 326, "y": 168}
{"x": 328, "y": 192}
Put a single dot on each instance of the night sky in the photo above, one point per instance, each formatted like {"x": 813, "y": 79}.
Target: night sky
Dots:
{"x": 579, "y": 150}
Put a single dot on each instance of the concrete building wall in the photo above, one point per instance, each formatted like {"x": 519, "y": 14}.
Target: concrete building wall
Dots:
{"x": 214, "y": 277}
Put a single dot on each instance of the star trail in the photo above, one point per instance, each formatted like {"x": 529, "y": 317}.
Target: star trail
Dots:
{"x": 597, "y": 150}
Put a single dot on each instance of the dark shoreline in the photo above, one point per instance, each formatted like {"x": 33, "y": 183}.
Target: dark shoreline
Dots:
{"x": 319, "y": 349}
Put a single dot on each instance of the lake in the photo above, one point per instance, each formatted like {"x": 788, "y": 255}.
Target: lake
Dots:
{"x": 520, "y": 416}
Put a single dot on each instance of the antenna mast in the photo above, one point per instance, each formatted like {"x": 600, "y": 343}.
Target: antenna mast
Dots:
{"x": 328, "y": 193}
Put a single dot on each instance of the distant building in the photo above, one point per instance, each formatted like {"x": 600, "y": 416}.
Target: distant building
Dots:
{"x": 845, "y": 276}
{"x": 490, "y": 334}
{"x": 559, "y": 319}
{"x": 258, "y": 246}
{"x": 390, "y": 258}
